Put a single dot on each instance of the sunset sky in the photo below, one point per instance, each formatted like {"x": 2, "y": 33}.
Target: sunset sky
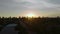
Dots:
{"x": 24, "y": 7}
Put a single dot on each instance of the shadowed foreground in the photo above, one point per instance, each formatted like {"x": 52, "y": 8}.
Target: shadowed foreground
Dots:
{"x": 9, "y": 29}
{"x": 44, "y": 25}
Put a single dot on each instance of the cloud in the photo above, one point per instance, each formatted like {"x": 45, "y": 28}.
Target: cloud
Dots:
{"x": 21, "y": 5}
{"x": 54, "y": 1}
{"x": 27, "y": 4}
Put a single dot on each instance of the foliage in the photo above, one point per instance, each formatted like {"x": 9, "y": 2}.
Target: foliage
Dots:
{"x": 40, "y": 25}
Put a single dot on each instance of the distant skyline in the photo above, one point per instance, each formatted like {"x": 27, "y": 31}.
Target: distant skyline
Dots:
{"x": 17, "y": 8}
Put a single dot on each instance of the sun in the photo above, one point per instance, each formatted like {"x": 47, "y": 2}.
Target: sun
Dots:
{"x": 31, "y": 15}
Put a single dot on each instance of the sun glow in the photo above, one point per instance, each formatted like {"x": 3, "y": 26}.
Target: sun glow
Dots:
{"x": 30, "y": 15}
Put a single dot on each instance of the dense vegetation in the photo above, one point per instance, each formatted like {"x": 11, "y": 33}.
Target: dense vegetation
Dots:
{"x": 40, "y": 25}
